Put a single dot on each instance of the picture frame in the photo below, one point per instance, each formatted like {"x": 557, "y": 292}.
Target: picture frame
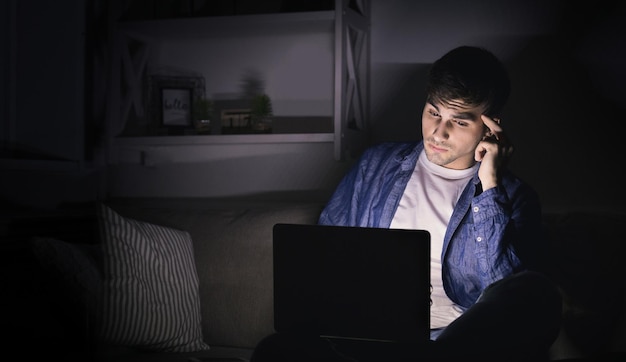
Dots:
{"x": 170, "y": 102}
{"x": 176, "y": 105}
{"x": 235, "y": 118}
{"x": 236, "y": 121}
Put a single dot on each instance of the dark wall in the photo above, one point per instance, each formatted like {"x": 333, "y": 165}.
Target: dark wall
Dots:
{"x": 567, "y": 107}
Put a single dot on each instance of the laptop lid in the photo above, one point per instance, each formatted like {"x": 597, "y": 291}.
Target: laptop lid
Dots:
{"x": 352, "y": 282}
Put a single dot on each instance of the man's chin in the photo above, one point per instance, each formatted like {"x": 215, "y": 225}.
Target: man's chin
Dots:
{"x": 436, "y": 159}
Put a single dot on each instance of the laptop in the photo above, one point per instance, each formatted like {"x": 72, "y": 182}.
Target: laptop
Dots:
{"x": 352, "y": 283}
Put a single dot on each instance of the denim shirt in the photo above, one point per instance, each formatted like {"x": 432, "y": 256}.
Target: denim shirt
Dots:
{"x": 490, "y": 235}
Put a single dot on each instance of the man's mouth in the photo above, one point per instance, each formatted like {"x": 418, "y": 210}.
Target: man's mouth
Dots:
{"x": 436, "y": 148}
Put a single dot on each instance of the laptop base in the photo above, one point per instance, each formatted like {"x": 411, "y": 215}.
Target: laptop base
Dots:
{"x": 288, "y": 347}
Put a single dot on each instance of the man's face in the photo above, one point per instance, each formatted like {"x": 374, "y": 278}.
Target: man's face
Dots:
{"x": 451, "y": 132}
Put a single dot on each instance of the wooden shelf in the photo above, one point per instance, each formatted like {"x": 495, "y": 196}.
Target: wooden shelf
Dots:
{"x": 230, "y": 26}
{"x": 139, "y": 41}
{"x": 225, "y": 139}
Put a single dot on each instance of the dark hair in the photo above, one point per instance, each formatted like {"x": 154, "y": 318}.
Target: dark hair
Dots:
{"x": 471, "y": 74}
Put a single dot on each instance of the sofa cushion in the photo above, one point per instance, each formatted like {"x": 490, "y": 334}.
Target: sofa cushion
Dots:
{"x": 150, "y": 286}
{"x": 76, "y": 268}
{"x": 233, "y": 249}
{"x": 67, "y": 294}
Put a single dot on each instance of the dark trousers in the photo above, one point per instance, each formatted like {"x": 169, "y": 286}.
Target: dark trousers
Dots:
{"x": 515, "y": 319}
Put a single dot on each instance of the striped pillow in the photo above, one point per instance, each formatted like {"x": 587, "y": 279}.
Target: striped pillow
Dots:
{"x": 151, "y": 298}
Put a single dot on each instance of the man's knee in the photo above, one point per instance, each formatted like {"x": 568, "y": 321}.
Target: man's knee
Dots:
{"x": 524, "y": 287}
{"x": 532, "y": 298}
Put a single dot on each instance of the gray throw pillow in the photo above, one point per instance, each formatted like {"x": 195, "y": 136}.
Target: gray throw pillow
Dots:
{"x": 150, "y": 286}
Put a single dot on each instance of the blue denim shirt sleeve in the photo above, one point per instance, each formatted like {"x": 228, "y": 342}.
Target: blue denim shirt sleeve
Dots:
{"x": 369, "y": 194}
{"x": 490, "y": 235}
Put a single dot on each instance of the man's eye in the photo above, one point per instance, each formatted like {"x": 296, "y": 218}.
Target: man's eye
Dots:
{"x": 433, "y": 113}
{"x": 461, "y": 123}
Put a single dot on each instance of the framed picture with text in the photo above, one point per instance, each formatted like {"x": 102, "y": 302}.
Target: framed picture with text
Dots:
{"x": 171, "y": 103}
{"x": 176, "y": 107}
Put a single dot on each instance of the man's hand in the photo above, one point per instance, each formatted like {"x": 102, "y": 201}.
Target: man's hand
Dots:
{"x": 493, "y": 151}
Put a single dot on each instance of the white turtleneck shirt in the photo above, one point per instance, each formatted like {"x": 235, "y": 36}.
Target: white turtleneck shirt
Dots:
{"x": 427, "y": 204}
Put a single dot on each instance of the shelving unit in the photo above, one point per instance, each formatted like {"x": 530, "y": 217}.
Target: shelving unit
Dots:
{"x": 220, "y": 26}
{"x": 136, "y": 42}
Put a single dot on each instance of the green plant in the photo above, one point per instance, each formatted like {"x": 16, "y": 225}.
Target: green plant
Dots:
{"x": 252, "y": 83}
{"x": 261, "y": 107}
{"x": 202, "y": 109}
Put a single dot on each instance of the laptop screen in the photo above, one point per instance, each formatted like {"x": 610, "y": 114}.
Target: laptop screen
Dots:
{"x": 352, "y": 282}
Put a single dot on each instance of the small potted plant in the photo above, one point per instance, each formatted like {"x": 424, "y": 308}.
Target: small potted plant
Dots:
{"x": 261, "y": 113}
{"x": 202, "y": 114}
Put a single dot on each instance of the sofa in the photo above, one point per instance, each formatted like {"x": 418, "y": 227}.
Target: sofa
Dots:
{"x": 195, "y": 280}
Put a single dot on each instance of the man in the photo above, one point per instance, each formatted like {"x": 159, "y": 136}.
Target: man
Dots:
{"x": 489, "y": 298}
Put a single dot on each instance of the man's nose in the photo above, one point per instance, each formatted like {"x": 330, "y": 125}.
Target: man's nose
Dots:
{"x": 441, "y": 131}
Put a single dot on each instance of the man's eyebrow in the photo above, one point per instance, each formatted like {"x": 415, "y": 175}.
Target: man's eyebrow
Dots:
{"x": 433, "y": 105}
{"x": 468, "y": 116}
